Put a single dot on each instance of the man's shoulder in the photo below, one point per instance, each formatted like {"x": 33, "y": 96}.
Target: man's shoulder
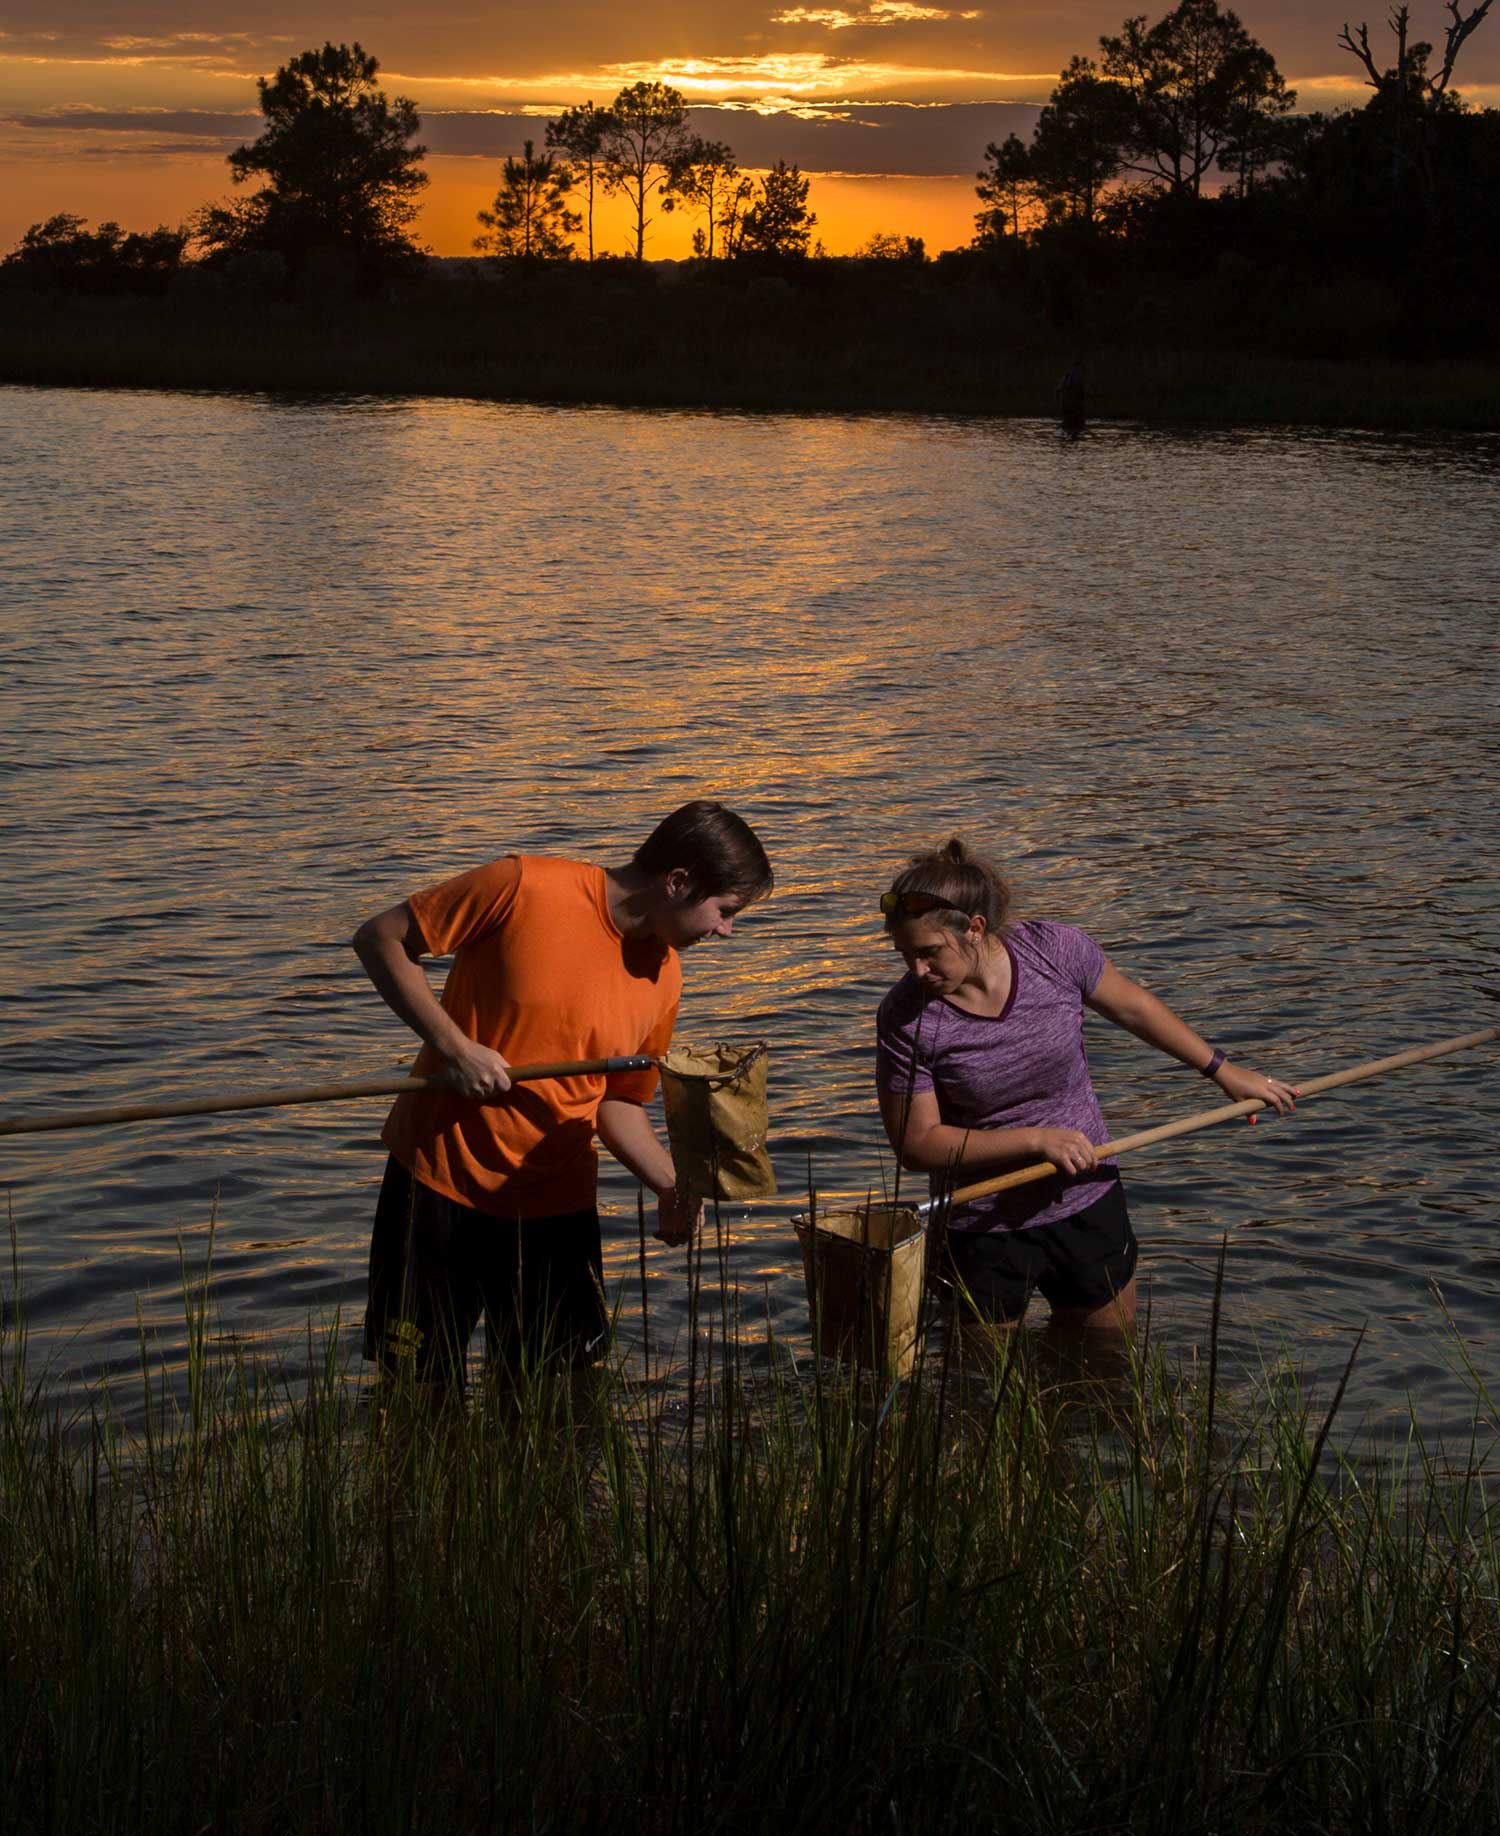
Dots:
{"x": 556, "y": 875}
{"x": 467, "y": 906}
{"x": 548, "y": 866}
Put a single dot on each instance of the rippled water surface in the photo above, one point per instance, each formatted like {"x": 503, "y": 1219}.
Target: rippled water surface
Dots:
{"x": 1228, "y": 701}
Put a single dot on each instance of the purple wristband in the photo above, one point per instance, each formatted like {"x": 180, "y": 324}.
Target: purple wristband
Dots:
{"x": 1211, "y": 1068}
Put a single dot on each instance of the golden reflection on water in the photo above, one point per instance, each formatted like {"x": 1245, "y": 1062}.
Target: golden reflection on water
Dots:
{"x": 312, "y": 657}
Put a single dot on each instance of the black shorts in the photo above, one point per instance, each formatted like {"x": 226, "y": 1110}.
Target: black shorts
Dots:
{"x": 435, "y": 1265}
{"x": 1080, "y": 1261}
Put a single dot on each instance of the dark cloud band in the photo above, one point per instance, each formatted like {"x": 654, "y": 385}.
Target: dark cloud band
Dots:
{"x": 856, "y": 138}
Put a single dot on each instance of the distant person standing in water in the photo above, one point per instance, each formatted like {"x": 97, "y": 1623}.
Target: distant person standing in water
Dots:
{"x": 1072, "y": 398}
{"x": 981, "y": 1067}
{"x": 488, "y": 1202}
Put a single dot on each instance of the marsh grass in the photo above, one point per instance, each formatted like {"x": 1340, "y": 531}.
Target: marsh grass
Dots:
{"x": 725, "y": 1595}
{"x": 700, "y": 343}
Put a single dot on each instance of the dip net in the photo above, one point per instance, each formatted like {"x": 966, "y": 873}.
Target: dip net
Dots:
{"x": 716, "y": 1120}
{"x": 865, "y": 1268}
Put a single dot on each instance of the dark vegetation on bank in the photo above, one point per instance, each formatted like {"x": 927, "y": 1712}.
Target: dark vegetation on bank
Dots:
{"x": 985, "y": 333}
{"x": 1208, "y": 254}
{"x": 741, "y": 1597}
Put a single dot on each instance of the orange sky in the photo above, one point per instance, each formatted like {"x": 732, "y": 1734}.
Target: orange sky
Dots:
{"x": 130, "y": 114}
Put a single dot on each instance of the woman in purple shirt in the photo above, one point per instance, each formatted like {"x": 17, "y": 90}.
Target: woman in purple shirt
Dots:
{"x": 981, "y": 1066}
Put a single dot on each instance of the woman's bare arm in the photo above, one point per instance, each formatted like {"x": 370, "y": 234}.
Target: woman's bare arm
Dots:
{"x": 927, "y": 1144}
{"x": 1149, "y": 1018}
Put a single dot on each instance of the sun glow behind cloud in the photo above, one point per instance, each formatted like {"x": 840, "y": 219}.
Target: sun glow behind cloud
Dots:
{"x": 816, "y": 74}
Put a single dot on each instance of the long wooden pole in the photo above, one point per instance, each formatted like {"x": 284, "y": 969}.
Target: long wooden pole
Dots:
{"x": 299, "y": 1093}
{"x": 1206, "y": 1118}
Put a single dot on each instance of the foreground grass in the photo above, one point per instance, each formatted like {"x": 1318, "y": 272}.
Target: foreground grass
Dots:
{"x": 798, "y": 1603}
{"x": 700, "y": 344}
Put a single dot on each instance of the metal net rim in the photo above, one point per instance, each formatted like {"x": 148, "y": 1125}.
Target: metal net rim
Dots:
{"x": 716, "y": 1080}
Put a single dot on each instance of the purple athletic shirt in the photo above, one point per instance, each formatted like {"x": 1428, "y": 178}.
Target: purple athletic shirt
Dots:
{"x": 1025, "y": 1068}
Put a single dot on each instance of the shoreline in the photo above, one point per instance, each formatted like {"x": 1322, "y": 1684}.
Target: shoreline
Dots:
{"x": 684, "y": 349}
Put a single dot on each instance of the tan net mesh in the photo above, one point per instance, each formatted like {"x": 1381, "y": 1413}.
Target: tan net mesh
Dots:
{"x": 716, "y": 1120}
{"x": 865, "y": 1270}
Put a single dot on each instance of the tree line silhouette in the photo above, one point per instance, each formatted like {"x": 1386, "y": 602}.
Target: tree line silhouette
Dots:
{"x": 1177, "y": 153}
{"x": 1167, "y": 106}
{"x": 340, "y": 173}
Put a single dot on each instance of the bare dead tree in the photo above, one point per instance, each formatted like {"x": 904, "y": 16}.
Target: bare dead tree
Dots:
{"x": 1463, "y": 26}
{"x": 1381, "y": 82}
{"x": 1358, "y": 43}
{"x": 1410, "y": 86}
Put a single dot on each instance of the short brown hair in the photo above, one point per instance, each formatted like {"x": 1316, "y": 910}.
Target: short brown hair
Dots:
{"x": 963, "y": 882}
{"x": 718, "y": 849}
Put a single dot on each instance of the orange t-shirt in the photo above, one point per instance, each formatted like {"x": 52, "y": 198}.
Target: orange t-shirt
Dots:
{"x": 540, "y": 972}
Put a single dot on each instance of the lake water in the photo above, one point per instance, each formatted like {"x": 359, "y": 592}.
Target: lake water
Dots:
{"x": 1226, "y": 700}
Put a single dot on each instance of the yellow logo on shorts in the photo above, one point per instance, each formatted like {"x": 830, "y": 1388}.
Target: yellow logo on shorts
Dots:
{"x": 406, "y": 1338}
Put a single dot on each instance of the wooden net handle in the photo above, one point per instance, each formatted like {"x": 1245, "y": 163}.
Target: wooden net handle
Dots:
{"x": 392, "y": 1085}
{"x": 1044, "y": 1169}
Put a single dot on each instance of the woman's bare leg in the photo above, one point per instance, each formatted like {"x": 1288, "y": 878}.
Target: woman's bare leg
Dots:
{"x": 1116, "y": 1315}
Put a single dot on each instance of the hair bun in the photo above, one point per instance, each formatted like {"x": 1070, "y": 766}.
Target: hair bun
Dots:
{"x": 965, "y": 883}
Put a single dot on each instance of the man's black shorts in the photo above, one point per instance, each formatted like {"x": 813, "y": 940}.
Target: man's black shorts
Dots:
{"x": 1080, "y": 1261}
{"x": 435, "y": 1265}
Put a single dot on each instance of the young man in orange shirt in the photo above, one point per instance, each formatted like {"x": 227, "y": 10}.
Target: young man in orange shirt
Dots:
{"x": 488, "y": 1202}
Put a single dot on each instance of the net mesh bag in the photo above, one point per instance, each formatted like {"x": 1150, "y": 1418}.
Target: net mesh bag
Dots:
{"x": 865, "y": 1269}
{"x": 716, "y": 1120}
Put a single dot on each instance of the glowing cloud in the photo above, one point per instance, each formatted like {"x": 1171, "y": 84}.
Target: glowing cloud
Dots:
{"x": 798, "y": 75}
{"x": 169, "y": 41}
{"x": 786, "y": 105}
{"x": 879, "y": 13}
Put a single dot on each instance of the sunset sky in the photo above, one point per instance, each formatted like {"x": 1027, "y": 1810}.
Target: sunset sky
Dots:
{"x": 127, "y": 108}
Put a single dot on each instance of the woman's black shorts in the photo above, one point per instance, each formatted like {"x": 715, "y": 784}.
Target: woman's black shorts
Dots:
{"x": 1080, "y": 1261}
{"x": 436, "y": 1265}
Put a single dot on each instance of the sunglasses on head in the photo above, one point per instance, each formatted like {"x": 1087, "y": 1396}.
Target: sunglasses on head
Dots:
{"x": 912, "y": 904}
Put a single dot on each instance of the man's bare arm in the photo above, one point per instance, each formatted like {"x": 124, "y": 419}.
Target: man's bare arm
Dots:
{"x": 625, "y": 1129}
{"x": 391, "y": 947}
